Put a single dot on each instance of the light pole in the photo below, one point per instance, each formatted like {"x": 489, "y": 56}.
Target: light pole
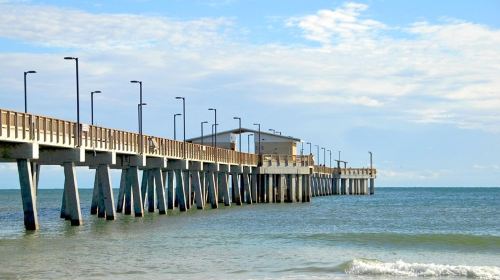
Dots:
{"x": 258, "y": 124}
{"x": 184, "y": 122}
{"x": 215, "y": 131}
{"x": 92, "y": 105}
{"x": 301, "y": 148}
{"x": 310, "y": 148}
{"x": 202, "y": 123}
{"x": 77, "y": 100}
{"x": 324, "y": 156}
{"x": 371, "y": 161}
{"x": 175, "y": 126}
{"x": 317, "y": 150}
{"x": 140, "y": 109}
{"x": 239, "y": 122}
{"x": 278, "y": 132}
{"x": 330, "y": 151}
{"x": 25, "y": 91}
{"x": 248, "y": 142}
{"x": 139, "y": 117}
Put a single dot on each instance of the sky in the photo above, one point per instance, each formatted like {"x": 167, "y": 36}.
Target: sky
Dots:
{"x": 415, "y": 82}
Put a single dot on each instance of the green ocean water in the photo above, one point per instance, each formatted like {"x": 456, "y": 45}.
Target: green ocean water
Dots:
{"x": 399, "y": 233}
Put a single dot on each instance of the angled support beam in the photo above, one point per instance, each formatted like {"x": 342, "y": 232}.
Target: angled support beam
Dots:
{"x": 198, "y": 190}
{"x": 28, "y": 195}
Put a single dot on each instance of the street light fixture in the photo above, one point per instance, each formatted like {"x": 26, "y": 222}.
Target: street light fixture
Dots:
{"x": 330, "y": 151}
{"x": 92, "y": 105}
{"x": 202, "y": 123}
{"x": 78, "y": 141}
{"x": 239, "y": 121}
{"x": 25, "y": 90}
{"x": 317, "y": 147}
{"x": 139, "y": 117}
{"x": 371, "y": 162}
{"x": 248, "y": 142}
{"x": 324, "y": 156}
{"x": 273, "y": 130}
{"x": 258, "y": 124}
{"x": 175, "y": 127}
{"x": 310, "y": 147}
{"x": 215, "y": 133}
{"x": 184, "y": 122}
{"x": 140, "y": 109}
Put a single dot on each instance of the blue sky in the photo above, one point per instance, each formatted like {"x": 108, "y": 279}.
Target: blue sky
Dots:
{"x": 416, "y": 82}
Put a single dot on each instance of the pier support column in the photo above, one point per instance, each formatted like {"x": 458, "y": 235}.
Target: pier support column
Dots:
{"x": 71, "y": 199}
{"x": 254, "y": 187}
{"x": 28, "y": 195}
{"x": 133, "y": 192}
{"x": 171, "y": 194}
{"x": 121, "y": 192}
{"x": 235, "y": 187}
{"x": 144, "y": 186}
{"x": 299, "y": 188}
{"x": 372, "y": 186}
{"x": 305, "y": 194}
{"x": 247, "y": 188}
{"x": 290, "y": 196}
{"x": 102, "y": 198}
{"x": 180, "y": 178}
{"x": 282, "y": 187}
{"x": 224, "y": 188}
{"x": 160, "y": 190}
{"x": 212, "y": 190}
{"x": 270, "y": 196}
{"x": 198, "y": 192}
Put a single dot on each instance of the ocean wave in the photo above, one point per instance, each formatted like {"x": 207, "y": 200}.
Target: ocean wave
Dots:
{"x": 404, "y": 269}
{"x": 438, "y": 241}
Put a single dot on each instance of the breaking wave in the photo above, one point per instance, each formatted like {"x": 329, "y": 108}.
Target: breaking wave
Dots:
{"x": 404, "y": 269}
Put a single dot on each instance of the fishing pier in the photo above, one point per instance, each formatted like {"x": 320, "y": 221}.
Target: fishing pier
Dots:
{"x": 175, "y": 174}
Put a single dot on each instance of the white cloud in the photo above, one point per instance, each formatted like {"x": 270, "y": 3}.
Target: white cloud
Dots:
{"x": 343, "y": 23}
{"x": 67, "y": 28}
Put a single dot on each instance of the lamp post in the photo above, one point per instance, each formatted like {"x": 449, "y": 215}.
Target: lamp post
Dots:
{"x": 371, "y": 162}
{"x": 175, "y": 126}
{"x": 139, "y": 117}
{"x": 92, "y": 105}
{"x": 317, "y": 151}
{"x": 239, "y": 122}
{"x": 330, "y": 151}
{"x": 215, "y": 131}
{"x": 324, "y": 156}
{"x": 310, "y": 148}
{"x": 78, "y": 142}
{"x": 248, "y": 142}
{"x": 202, "y": 123}
{"x": 184, "y": 122}
{"x": 278, "y": 132}
{"x": 140, "y": 109}
{"x": 258, "y": 124}
{"x": 25, "y": 90}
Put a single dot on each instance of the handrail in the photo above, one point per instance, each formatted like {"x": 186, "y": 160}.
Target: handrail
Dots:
{"x": 17, "y": 126}
{"x": 345, "y": 171}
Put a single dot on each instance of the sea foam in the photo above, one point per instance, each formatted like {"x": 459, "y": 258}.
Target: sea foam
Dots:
{"x": 404, "y": 269}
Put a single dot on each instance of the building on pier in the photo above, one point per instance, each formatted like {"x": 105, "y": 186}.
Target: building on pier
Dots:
{"x": 270, "y": 143}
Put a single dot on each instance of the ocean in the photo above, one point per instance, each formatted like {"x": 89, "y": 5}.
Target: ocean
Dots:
{"x": 399, "y": 233}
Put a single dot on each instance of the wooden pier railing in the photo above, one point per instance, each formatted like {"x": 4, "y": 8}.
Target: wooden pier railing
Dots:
{"x": 345, "y": 171}
{"x": 21, "y": 127}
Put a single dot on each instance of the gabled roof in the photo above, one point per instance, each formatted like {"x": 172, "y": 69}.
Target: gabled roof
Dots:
{"x": 246, "y": 130}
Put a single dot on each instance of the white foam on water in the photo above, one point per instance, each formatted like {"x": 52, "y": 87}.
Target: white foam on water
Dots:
{"x": 401, "y": 268}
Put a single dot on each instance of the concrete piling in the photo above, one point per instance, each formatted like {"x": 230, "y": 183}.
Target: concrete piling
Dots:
{"x": 28, "y": 195}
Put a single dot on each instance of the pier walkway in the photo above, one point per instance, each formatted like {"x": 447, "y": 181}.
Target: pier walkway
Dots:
{"x": 176, "y": 174}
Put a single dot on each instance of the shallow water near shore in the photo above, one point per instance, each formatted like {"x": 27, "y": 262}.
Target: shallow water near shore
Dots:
{"x": 399, "y": 233}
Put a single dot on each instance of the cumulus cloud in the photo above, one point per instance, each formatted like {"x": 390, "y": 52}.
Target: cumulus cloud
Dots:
{"x": 67, "y": 28}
